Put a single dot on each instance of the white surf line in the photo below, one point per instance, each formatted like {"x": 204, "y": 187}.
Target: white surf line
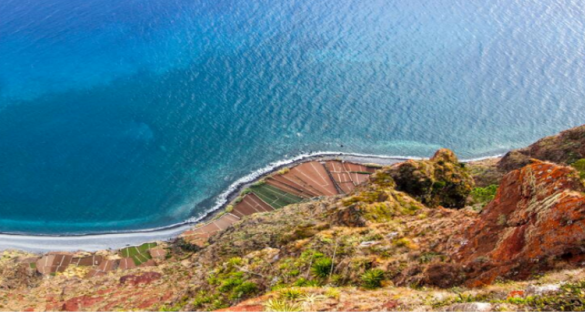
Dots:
{"x": 118, "y": 240}
{"x": 87, "y": 242}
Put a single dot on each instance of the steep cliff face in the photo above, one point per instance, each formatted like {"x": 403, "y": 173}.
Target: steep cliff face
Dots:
{"x": 535, "y": 223}
{"x": 563, "y": 148}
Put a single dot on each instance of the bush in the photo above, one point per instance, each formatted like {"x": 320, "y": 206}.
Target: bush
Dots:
{"x": 322, "y": 267}
{"x": 244, "y": 290}
{"x": 233, "y": 280}
{"x": 201, "y": 300}
{"x": 186, "y": 246}
{"x": 302, "y": 282}
{"x": 333, "y": 293}
{"x": 281, "y": 305}
{"x": 484, "y": 194}
{"x": 373, "y": 278}
{"x": 580, "y": 166}
{"x": 291, "y": 293}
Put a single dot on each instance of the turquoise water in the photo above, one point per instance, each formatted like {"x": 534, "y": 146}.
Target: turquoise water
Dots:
{"x": 129, "y": 114}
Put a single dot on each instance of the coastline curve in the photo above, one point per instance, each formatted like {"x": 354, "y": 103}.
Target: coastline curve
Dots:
{"x": 114, "y": 240}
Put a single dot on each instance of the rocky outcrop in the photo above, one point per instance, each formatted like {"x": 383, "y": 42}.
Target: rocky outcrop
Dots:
{"x": 440, "y": 181}
{"x": 535, "y": 223}
{"x": 563, "y": 148}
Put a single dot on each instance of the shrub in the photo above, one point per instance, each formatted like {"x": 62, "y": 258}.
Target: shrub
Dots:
{"x": 333, "y": 293}
{"x": 580, "y": 166}
{"x": 218, "y": 304}
{"x": 337, "y": 280}
{"x": 201, "y": 299}
{"x": 243, "y": 290}
{"x": 234, "y": 262}
{"x": 281, "y": 306}
{"x": 404, "y": 242}
{"x": 322, "y": 267}
{"x": 484, "y": 194}
{"x": 373, "y": 278}
{"x": 186, "y": 246}
{"x": 291, "y": 293}
{"x": 233, "y": 280}
{"x": 302, "y": 282}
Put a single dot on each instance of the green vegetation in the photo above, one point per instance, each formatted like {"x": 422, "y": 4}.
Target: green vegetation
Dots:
{"x": 580, "y": 166}
{"x": 291, "y": 293}
{"x": 372, "y": 279}
{"x": 202, "y": 299}
{"x": 244, "y": 290}
{"x": 231, "y": 281}
{"x": 273, "y": 196}
{"x": 138, "y": 254}
{"x": 227, "y": 285}
{"x": 284, "y": 171}
{"x": 333, "y": 293}
{"x": 460, "y": 298}
{"x": 281, "y": 306}
{"x": 303, "y": 282}
{"x": 186, "y": 246}
{"x": 484, "y": 195}
{"x": 570, "y": 298}
{"x": 322, "y": 267}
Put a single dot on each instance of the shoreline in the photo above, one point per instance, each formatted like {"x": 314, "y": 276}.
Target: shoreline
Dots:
{"x": 39, "y": 243}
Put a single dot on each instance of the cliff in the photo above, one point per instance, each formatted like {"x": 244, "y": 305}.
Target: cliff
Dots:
{"x": 430, "y": 235}
{"x": 565, "y": 148}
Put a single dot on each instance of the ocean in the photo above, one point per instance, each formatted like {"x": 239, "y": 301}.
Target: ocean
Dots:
{"x": 118, "y": 115}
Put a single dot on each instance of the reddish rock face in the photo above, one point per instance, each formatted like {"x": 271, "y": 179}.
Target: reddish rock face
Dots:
{"x": 537, "y": 217}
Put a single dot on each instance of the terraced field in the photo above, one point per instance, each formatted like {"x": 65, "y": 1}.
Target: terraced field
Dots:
{"x": 273, "y": 196}
{"x": 138, "y": 254}
{"x": 288, "y": 186}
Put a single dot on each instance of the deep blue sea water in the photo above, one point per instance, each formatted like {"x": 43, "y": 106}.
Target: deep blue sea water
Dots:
{"x": 131, "y": 114}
